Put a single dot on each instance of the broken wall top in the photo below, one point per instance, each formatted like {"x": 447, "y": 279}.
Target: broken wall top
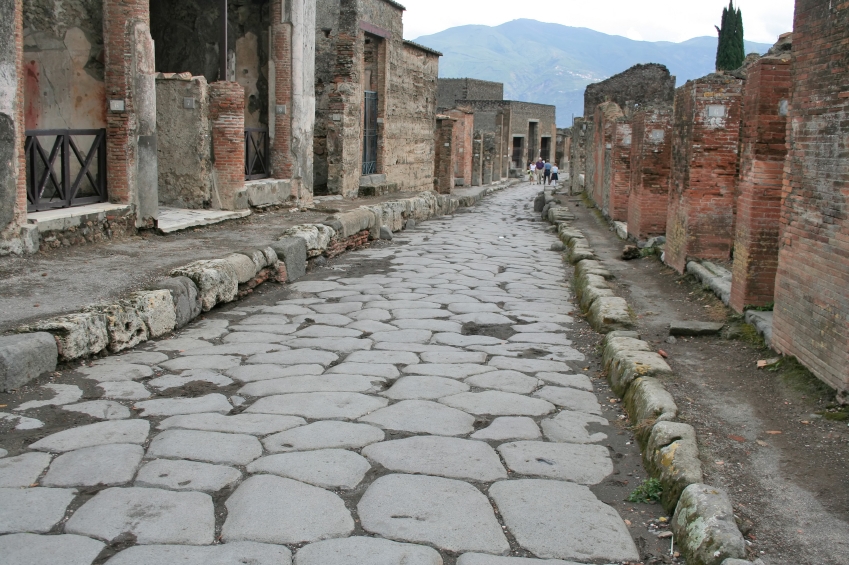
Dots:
{"x": 649, "y": 84}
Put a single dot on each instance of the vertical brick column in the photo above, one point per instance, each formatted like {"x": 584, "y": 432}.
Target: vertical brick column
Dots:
{"x": 811, "y": 300}
{"x": 477, "y": 159}
{"x": 13, "y": 196}
{"x": 281, "y": 71}
{"x": 763, "y": 152}
{"x": 620, "y": 170}
{"x": 227, "y": 114}
{"x": 650, "y": 161}
{"x": 463, "y": 128}
{"x": 608, "y": 138}
{"x": 444, "y": 162}
{"x": 705, "y": 139}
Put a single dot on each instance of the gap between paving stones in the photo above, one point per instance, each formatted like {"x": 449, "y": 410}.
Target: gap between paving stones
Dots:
{"x": 703, "y": 521}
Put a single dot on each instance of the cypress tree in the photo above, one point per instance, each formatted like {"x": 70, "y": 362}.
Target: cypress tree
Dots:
{"x": 730, "y": 50}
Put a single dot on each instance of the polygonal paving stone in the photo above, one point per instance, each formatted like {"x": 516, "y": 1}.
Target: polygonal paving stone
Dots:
{"x": 402, "y": 336}
{"x": 371, "y": 326}
{"x": 226, "y": 554}
{"x": 23, "y": 470}
{"x": 34, "y": 510}
{"x": 422, "y": 416}
{"x": 319, "y": 405}
{"x": 473, "y": 308}
{"x": 509, "y": 427}
{"x": 253, "y": 373}
{"x": 294, "y": 357}
{"x": 371, "y": 314}
{"x": 173, "y": 406}
{"x": 116, "y": 372}
{"x": 153, "y": 516}
{"x": 540, "y": 327}
{"x": 450, "y": 370}
{"x": 186, "y": 475}
{"x": 541, "y": 339}
{"x": 101, "y": 433}
{"x": 326, "y": 468}
{"x": 432, "y": 325}
{"x": 124, "y": 390}
{"x": 335, "y": 344}
{"x": 32, "y": 549}
{"x": 136, "y": 357}
{"x": 570, "y": 398}
{"x": 571, "y": 427}
{"x": 483, "y": 559}
{"x": 584, "y": 464}
{"x": 180, "y": 344}
{"x": 100, "y": 409}
{"x": 211, "y": 447}
{"x": 460, "y": 340}
{"x": 506, "y": 381}
{"x": 559, "y": 520}
{"x": 324, "y": 435}
{"x": 323, "y": 383}
{"x": 177, "y": 381}
{"x": 22, "y": 422}
{"x": 276, "y": 329}
{"x": 109, "y": 465}
{"x": 327, "y": 331}
{"x": 453, "y": 357}
{"x": 315, "y": 286}
{"x": 245, "y": 337}
{"x": 288, "y": 309}
{"x": 215, "y": 362}
{"x": 371, "y": 551}
{"x": 252, "y": 424}
{"x": 205, "y": 329}
{"x": 235, "y": 347}
{"x": 497, "y": 403}
{"x": 529, "y": 365}
{"x": 383, "y": 357}
{"x": 418, "y": 387}
{"x": 420, "y": 314}
{"x": 581, "y": 382}
{"x": 442, "y": 456}
{"x": 338, "y": 307}
{"x": 483, "y": 319}
{"x": 276, "y": 510}
{"x": 450, "y": 514}
{"x": 326, "y": 319}
{"x": 63, "y": 394}
{"x": 371, "y": 369}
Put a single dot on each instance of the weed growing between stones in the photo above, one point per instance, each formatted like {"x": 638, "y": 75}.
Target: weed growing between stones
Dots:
{"x": 795, "y": 376}
{"x": 648, "y": 492}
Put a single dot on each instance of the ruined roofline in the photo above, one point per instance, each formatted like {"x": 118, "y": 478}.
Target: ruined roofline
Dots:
{"x": 396, "y": 5}
{"x": 472, "y": 79}
{"x": 420, "y": 47}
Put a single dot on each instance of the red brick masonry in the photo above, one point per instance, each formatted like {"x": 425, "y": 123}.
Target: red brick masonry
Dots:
{"x": 650, "y": 160}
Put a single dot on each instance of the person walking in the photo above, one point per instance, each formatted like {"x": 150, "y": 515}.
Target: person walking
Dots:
{"x": 531, "y": 169}
{"x": 538, "y": 171}
{"x": 547, "y": 173}
{"x": 555, "y": 174}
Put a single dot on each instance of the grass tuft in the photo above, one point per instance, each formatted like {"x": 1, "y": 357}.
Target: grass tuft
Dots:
{"x": 648, "y": 492}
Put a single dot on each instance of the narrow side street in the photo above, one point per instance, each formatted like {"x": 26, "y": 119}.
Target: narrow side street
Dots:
{"x": 424, "y": 402}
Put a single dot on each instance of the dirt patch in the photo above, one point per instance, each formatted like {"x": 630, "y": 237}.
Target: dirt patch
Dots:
{"x": 503, "y": 332}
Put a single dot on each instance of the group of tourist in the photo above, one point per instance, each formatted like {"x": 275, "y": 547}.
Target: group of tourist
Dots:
{"x": 543, "y": 172}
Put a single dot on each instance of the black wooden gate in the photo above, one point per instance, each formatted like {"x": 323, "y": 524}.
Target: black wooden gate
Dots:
{"x": 256, "y": 153}
{"x": 63, "y": 176}
{"x": 370, "y": 134}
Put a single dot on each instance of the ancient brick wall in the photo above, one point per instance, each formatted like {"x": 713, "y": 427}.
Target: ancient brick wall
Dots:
{"x": 609, "y": 136}
{"x": 645, "y": 85}
{"x": 811, "y": 302}
{"x": 578, "y": 156}
{"x": 766, "y": 95}
{"x": 452, "y": 90}
{"x": 619, "y": 167}
{"x": 703, "y": 178}
{"x": 227, "y": 116}
{"x": 464, "y": 126}
{"x": 444, "y": 165}
{"x": 651, "y": 156}
{"x": 13, "y": 199}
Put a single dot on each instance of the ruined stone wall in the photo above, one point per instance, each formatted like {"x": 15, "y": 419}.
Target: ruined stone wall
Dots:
{"x": 564, "y": 143}
{"x": 605, "y": 154}
{"x": 13, "y": 200}
{"x": 703, "y": 179}
{"x": 618, "y": 185}
{"x": 646, "y": 85}
{"x": 452, "y": 90}
{"x": 227, "y": 116}
{"x": 578, "y": 155}
{"x": 444, "y": 166}
{"x": 184, "y": 141}
{"x": 811, "y": 303}
{"x": 462, "y": 144}
{"x": 766, "y": 96}
{"x": 63, "y": 65}
{"x": 651, "y": 156}
{"x": 589, "y": 158}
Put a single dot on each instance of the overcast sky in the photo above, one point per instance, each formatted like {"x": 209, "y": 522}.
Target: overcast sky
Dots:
{"x": 649, "y": 20}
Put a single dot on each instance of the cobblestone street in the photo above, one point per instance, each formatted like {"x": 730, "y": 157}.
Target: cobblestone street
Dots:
{"x": 430, "y": 409}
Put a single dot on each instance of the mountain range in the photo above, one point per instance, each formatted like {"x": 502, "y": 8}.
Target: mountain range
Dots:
{"x": 553, "y": 64}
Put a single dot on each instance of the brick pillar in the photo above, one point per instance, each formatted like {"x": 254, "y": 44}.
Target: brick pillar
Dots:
{"x": 488, "y": 158}
{"x": 13, "y": 196}
{"x": 619, "y": 169}
{"x": 650, "y": 161}
{"x": 477, "y": 159}
{"x": 444, "y": 159}
{"x": 811, "y": 302}
{"x": 131, "y": 124}
{"x": 763, "y": 153}
{"x": 606, "y": 135}
{"x": 227, "y": 115}
{"x": 705, "y": 138}
{"x": 280, "y": 113}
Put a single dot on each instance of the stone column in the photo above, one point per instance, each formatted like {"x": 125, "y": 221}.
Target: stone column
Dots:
{"x": 227, "y": 115}
{"x": 444, "y": 158}
{"x": 13, "y": 196}
{"x": 489, "y": 149}
{"x": 477, "y": 159}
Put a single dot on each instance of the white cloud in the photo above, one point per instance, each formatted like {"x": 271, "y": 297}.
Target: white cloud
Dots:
{"x": 652, "y": 20}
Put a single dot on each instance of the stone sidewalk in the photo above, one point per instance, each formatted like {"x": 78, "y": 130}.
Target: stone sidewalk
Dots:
{"x": 427, "y": 408}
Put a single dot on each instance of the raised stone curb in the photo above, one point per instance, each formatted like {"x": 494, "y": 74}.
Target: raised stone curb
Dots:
{"x": 672, "y": 455}
{"x": 24, "y": 357}
{"x": 704, "y": 526}
{"x": 714, "y": 277}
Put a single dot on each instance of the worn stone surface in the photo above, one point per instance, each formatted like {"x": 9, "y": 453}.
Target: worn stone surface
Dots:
{"x": 584, "y": 464}
{"x": 225, "y": 554}
{"x": 424, "y": 388}
{"x": 422, "y": 416}
{"x": 253, "y": 373}
{"x": 505, "y": 381}
{"x": 361, "y": 550}
{"x": 450, "y": 514}
{"x": 672, "y": 454}
{"x": 153, "y": 516}
{"x": 23, "y": 470}
{"x": 319, "y": 405}
{"x": 25, "y": 357}
{"x": 186, "y": 475}
{"x": 326, "y": 468}
{"x": 62, "y": 394}
{"x": 704, "y": 526}
{"x": 498, "y": 403}
{"x": 483, "y": 559}
{"x": 509, "y": 427}
{"x": 324, "y": 435}
{"x": 211, "y": 447}
{"x": 573, "y": 427}
{"x": 33, "y": 510}
{"x": 217, "y": 281}
{"x": 293, "y": 252}
{"x": 100, "y": 409}
{"x": 570, "y": 398}
{"x": 252, "y": 424}
{"x": 312, "y": 383}
{"x": 688, "y": 328}
{"x": 276, "y": 510}
{"x": 442, "y": 456}
{"x": 173, "y": 406}
{"x": 127, "y": 390}
{"x": 108, "y": 465}
{"x": 560, "y": 520}
{"x": 31, "y": 549}
{"x": 185, "y": 297}
{"x": 102, "y": 433}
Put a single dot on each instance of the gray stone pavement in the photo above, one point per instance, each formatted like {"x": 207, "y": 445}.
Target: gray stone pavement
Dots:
{"x": 426, "y": 410}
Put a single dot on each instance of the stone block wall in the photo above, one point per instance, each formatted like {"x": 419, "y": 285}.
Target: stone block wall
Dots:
{"x": 452, "y": 90}
{"x": 766, "y": 97}
{"x": 13, "y": 198}
{"x": 646, "y": 85}
{"x": 811, "y": 302}
{"x": 443, "y": 181}
{"x": 703, "y": 178}
{"x": 464, "y": 126}
{"x": 651, "y": 155}
{"x": 578, "y": 155}
{"x": 227, "y": 116}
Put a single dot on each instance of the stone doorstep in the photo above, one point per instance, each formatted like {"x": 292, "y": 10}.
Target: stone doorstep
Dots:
{"x": 175, "y": 219}
{"x": 63, "y": 218}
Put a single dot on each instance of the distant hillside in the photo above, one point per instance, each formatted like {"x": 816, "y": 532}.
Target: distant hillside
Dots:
{"x": 552, "y": 63}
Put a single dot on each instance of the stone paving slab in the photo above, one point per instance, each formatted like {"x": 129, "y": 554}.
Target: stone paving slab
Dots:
{"x": 209, "y": 447}
{"x": 101, "y": 433}
{"x": 326, "y": 468}
{"x": 424, "y": 388}
{"x": 449, "y": 514}
{"x": 483, "y": 559}
{"x": 62, "y": 394}
{"x": 505, "y": 381}
{"x": 117, "y": 372}
{"x": 570, "y": 398}
{"x": 33, "y": 510}
{"x": 217, "y": 362}
{"x": 100, "y": 409}
{"x": 312, "y": 383}
{"x": 319, "y": 405}
{"x": 449, "y": 370}
{"x": 572, "y": 427}
{"x": 509, "y": 428}
{"x": 186, "y": 475}
{"x": 581, "y": 382}
{"x": 496, "y": 403}
{"x": 422, "y": 416}
{"x": 559, "y": 520}
{"x": 529, "y": 365}
{"x": 324, "y": 435}
{"x": 22, "y": 471}
{"x": 31, "y": 549}
{"x": 124, "y": 390}
{"x": 384, "y": 370}
{"x": 363, "y": 550}
{"x": 441, "y": 456}
{"x": 584, "y": 464}
{"x": 174, "y": 406}
{"x": 154, "y": 516}
{"x": 276, "y": 510}
{"x": 109, "y": 465}
{"x": 251, "y": 424}
{"x": 254, "y": 373}
{"x": 383, "y": 357}
{"x": 248, "y": 553}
